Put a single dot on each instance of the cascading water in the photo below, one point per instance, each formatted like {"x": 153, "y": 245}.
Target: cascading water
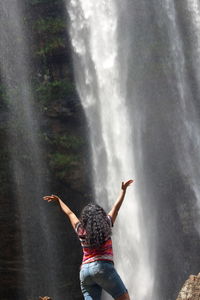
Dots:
{"x": 137, "y": 74}
{"x": 188, "y": 147}
{"x": 26, "y": 160}
{"x": 101, "y": 83}
{"x": 187, "y": 113}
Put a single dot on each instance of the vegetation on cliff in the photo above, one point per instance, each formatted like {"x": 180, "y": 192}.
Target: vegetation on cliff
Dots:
{"x": 62, "y": 136}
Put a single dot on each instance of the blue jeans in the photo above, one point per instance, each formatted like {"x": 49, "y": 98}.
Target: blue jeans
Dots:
{"x": 99, "y": 275}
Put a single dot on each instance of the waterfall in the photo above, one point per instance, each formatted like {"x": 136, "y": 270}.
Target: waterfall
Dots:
{"x": 187, "y": 119}
{"x": 26, "y": 155}
{"x": 191, "y": 138}
{"x": 101, "y": 83}
{"x": 137, "y": 73}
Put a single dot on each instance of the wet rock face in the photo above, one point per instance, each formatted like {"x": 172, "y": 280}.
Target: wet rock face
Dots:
{"x": 63, "y": 136}
{"x": 190, "y": 289}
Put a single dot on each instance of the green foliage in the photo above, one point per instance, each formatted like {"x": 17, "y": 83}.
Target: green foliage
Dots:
{"x": 68, "y": 142}
{"x": 65, "y": 158}
{"x": 59, "y": 160}
{"x": 50, "y": 31}
{"x": 50, "y": 25}
{"x": 50, "y": 46}
{"x": 51, "y": 90}
{"x": 62, "y": 164}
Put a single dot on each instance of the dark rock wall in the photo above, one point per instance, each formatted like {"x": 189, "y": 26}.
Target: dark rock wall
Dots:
{"x": 63, "y": 135}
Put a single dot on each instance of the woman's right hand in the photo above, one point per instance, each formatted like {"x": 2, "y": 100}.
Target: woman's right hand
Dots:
{"x": 51, "y": 198}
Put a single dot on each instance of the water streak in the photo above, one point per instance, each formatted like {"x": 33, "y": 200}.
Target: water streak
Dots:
{"x": 101, "y": 85}
{"x": 188, "y": 121}
{"x": 26, "y": 156}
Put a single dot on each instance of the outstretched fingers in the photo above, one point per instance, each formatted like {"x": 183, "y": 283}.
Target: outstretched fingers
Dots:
{"x": 126, "y": 184}
{"x": 129, "y": 182}
{"x": 50, "y": 198}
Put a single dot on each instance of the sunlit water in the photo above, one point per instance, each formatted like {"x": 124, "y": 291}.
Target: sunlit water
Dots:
{"x": 188, "y": 124}
{"x": 137, "y": 73}
{"x": 101, "y": 83}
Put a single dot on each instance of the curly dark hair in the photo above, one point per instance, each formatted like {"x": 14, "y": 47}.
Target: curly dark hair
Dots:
{"x": 97, "y": 225}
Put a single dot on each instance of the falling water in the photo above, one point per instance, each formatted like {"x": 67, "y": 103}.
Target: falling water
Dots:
{"x": 137, "y": 73}
{"x": 25, "y": 151}
{"x": 101, "y": 82}
{"x": 190, "y": 141}
{"x": 187, "y": 142}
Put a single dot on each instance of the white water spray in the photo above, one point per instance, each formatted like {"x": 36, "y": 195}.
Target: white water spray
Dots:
{"x": 26, "y": 154}
{"x": 187, "y": 146}
{"x": 101, "y": 85}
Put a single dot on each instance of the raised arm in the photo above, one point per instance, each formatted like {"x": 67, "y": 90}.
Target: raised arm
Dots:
{"x": 72, "y": 217}
{"x": 114, "y": 211}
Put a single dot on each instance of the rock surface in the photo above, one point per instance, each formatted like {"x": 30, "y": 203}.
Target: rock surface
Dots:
{"x": 190, "y": 289}
{"x": 64, "y": 142}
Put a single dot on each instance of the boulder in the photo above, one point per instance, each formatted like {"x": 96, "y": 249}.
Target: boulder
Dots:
{"x": 190, "y": 289}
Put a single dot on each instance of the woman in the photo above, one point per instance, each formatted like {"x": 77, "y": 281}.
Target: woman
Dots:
{"x": 94, "y": 231}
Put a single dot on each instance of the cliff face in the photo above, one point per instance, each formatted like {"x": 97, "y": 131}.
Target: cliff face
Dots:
{"x": 63, "y": 136}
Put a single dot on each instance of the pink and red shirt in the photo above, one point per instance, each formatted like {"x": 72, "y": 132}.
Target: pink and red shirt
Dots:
{"x": 103, "y": 252}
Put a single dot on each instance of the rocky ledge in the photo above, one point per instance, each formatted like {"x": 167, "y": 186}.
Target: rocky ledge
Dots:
{"x": 190, "y": 289}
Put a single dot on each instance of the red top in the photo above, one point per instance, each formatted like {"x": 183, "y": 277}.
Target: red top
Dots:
{"x": 103, "y": 252}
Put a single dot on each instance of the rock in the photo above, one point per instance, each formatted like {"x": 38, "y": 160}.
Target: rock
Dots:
{"x": 190, "y": 289}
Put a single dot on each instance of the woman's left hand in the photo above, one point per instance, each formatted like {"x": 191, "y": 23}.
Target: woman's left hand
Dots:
{"x": 51, "y": 198}
{"x": 126, "y": 184}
